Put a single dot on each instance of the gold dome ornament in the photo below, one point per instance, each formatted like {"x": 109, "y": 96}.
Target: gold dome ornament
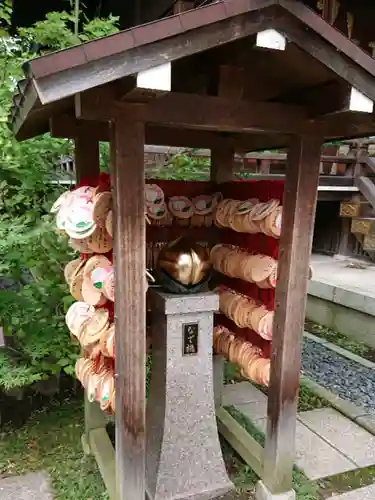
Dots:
{"x": 183, "y": 266}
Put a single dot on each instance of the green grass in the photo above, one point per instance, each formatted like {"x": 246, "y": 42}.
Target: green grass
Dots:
{"x": 309, "y": 400}
{"x": 340, "y": 340}
{"x": 51, "y": 441}
{"x": 348, "y": 481}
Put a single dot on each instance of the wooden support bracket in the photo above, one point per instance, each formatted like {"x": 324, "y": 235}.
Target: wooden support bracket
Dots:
{"x": 196, "y": 112}
{"x": 104, "y": 454}
{"x": 240, "y": 440}
{"x": 367, "y": 188}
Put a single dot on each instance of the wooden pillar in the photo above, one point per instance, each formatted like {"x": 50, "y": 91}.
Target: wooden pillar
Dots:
{"x": 86, "y": 163}
{"x": 127, "y": 163}
{"x": 87, "y": 159}
{"x": 222, "y": 165}
{"x": 299, "y": 204}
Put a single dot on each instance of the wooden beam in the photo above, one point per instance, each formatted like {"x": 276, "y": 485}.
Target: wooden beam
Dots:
{"x": 245, "y": 445}
{"x": 231, "y": 82}
{"x": 196, "y": 112}
{"x": 369, "y": 162}
{"x": 86, "y": 157}
{"x": 299, "y": 203}
{"x": 230, "y": 86}
{"x": 325, "y": 52}
{"x": 367, "y": 188}
{"x": 344, "y": 124}
{"x": 77, "y": 79}
{"x": 336, "y": 39}
{"x": 67, "y": 127}
{"x": 127, "y": 163}
{"x": 330, "y": 97}
{"x": 104, "y": 453}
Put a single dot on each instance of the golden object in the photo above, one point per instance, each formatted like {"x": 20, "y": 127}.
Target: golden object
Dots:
{"x": 362, "y": 226}
{"x": 187, "y": 262}
{"x": 349, "y": 209}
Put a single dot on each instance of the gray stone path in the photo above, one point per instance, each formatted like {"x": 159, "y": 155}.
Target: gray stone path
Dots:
{"x": 327, "y": 443}
{"x": 33, "y": 486}
{"x": 366, "y": 493}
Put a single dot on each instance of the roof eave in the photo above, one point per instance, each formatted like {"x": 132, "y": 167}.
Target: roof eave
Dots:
{"x": 29, "y": 101}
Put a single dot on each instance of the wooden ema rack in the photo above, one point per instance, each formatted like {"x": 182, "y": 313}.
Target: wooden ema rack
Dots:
{"x": 96, "y": 437}
{"x": 91, "y": 95}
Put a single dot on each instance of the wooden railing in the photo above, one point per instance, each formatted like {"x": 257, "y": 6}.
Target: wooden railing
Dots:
{"x": 351, "y": 161}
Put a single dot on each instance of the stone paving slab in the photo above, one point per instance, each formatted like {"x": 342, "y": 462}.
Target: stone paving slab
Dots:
{"x": 315, "y": 455}
{"x": 255, "y": 411}
{"x": 346, "y": 436}
{"x": 241, "y": 393}
{"x": 33, "y": 486}
{"x": 366, "y": 493}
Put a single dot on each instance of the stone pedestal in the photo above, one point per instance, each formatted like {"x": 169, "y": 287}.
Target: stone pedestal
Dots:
{"x": 184, "y": 459}
{"x": 218, "y": 367}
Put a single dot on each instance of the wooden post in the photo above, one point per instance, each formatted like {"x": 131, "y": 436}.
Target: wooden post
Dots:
{"x": 345, "y": 236}
{"x": 127, "y": 163}
{"x": 222, "y": 164}
{"x": 86, "y": 164}
{"x": 87, "y": 160}
{"x": 299, "y": 204}
{"x": 231, "y": 82}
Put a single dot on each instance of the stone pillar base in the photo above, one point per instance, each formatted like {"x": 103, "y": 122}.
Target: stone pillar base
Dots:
{"x": 184, "y": 459}
{"x": 263, "y": 493}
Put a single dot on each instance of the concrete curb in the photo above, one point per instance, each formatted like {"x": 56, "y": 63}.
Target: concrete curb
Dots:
{"x": 340, "y": 350}
{"x": 348, "y": 409}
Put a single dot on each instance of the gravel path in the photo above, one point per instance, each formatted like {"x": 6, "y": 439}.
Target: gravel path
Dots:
{"x": 341, "y": 376}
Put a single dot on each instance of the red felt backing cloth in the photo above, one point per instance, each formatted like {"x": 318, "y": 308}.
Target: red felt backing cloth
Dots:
{"x": 252, "y": 243}
{"x": 259, "y": 243}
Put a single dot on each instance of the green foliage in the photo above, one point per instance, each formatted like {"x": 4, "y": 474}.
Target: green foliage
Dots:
{"x": 185, "y": 166}
{"x": 32, "y": 253}
{"x": 57, "y": 30}
{"x": 6, "y": 8}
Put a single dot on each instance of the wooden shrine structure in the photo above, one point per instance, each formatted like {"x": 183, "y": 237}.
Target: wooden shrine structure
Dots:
{"x": 211, "y": 86}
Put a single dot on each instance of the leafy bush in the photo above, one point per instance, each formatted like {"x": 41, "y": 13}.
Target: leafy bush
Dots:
{"x": 32, "y": 253}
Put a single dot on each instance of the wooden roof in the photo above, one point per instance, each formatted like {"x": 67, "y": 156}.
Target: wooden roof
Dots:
{"x": 316, "y": 70}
